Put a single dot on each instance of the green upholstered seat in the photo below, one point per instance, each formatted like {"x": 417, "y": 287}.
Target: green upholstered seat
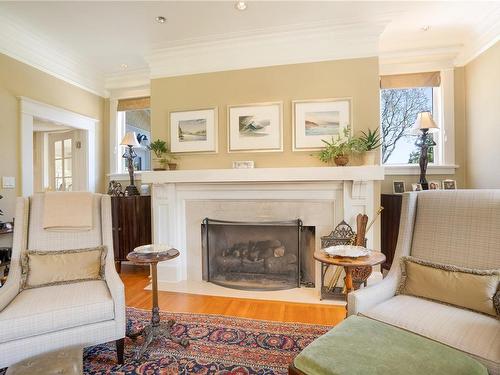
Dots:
{"x": 364, "y": 346}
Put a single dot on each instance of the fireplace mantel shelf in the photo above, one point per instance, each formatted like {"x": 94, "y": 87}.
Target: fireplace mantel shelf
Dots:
{"x": 358, "y": 173}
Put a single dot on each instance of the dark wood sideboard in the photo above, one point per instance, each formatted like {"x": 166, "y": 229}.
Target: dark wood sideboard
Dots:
{"x": 390, "y": 217}
{"x": 131, "y": 225}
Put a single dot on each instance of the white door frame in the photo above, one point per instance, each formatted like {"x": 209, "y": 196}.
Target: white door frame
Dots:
{"x": 29, "y": 109}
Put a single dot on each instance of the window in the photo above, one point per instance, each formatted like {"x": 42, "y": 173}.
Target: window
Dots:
{"x": 61, "y": 168}
{"x": 130, "y": 115}
{"x": 401, "y": 99}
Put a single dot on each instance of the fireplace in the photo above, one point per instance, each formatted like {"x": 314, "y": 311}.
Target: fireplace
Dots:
{"x": 273, "y": 255}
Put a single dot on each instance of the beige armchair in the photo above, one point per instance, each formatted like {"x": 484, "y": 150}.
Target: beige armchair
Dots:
{"x": 452, "y": 227}
{"x": 39, "y": 320}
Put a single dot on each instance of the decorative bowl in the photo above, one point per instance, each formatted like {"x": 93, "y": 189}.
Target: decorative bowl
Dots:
{"x": 347, "y": 251}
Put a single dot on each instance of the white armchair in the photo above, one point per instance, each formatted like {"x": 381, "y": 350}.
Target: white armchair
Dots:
{"x": 39, "y": 320}
{"x": 459, "y": 227}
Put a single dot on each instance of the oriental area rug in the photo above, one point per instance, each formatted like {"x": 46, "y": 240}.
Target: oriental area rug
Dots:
{"x": 219, "y": 345}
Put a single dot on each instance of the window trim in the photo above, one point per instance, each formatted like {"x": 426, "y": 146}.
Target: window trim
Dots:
{"x": 446, "y": 121}
{"x": 115, "y": 136}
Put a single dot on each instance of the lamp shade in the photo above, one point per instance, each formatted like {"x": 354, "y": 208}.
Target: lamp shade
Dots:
{"x": 424, "y": 121}
{"x": 130, "y": 139}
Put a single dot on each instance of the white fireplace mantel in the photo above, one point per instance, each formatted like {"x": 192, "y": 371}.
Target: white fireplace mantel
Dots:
{"x": 359, "y": 173}
{"x": 320, "y": 196}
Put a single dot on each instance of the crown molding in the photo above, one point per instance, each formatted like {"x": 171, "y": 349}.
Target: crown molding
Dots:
{"x": 128, "y": 79}
{"x": 32, "y": 49}
{"x": 418, "y": 60}
{"x": 487, "y": 35}
{"x": 301, "y": 45}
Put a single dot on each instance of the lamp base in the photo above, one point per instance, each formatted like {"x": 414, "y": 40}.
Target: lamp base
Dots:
{"x": 131, "y": 190}
{"x": 425, "y": 185}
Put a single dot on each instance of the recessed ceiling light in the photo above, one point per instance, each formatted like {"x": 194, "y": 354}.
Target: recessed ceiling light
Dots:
{"x": 240, "y": 5}
{"x": 161, "y": 19}
{"x": 425, "y": 27}
{"x": 124, "y": 66}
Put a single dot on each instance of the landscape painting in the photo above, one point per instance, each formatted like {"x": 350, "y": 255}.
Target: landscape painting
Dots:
{"x": 192, "y": 130}
{"x": 255, "y": 127}
{"x": 318, "y": 120}
{"x": 252, "y": 126}
{"x": 322, "y": 123}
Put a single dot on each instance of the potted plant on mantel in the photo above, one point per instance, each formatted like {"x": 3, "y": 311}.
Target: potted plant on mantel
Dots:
{"x": 339, "y": 149}
{"x": 163, "y": 156}
{"x": 372, "y": 141}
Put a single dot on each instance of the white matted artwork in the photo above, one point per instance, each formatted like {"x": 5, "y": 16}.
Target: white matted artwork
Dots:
{"x": 194, "y": 131}
{"x": 255, "y": 127}
{"x": 318, "y": 120}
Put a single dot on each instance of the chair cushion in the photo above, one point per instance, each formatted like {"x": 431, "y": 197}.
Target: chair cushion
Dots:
{"x": 360, "y": 346}
{"x": 54, "y": 308}
{"x": 468, "y": 331}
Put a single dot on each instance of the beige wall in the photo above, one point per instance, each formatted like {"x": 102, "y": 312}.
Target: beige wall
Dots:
{"x": 18, "y": 79}
{"x": 460, "y": 158}
{"x": 356, "y": 78}
{"x": 482, "y": 95}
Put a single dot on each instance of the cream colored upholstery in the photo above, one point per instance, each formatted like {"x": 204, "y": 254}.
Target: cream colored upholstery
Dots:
{"x": 77, "y": 304}
{"x": 53, "y": 317}
{"x": 459, "y": 227}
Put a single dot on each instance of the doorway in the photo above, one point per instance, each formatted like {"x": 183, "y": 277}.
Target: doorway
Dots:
{"x": 57, "y": 149}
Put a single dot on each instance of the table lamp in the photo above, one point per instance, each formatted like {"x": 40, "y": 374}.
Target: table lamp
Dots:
{"x": 130, "y": 140}
{"x": 425, "y": 124}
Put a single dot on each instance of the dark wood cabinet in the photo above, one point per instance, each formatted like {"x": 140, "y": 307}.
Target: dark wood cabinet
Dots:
{"x": 131, "y": 225}
{"x": 390, "y": 217}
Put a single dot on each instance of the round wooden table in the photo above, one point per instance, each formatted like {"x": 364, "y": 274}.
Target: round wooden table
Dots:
{"x": 152, "y": 254}
{"x": 349, "y": 264}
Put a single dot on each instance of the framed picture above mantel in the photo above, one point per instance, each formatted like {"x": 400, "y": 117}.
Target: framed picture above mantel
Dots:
{"x": 255, "y": 127}
{"x": 194, "y": 130}
{"x": 318, "y": 120}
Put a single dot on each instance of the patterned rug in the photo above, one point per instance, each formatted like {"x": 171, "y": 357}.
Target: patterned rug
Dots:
{"x": 219, "y": 345}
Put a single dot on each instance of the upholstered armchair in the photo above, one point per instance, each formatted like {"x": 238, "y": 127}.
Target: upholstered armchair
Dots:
{"x": 460, "y": 228}
{"x": 33, "y": 321}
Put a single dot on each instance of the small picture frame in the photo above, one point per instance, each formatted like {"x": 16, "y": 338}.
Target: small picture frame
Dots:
{"x": 416, "y": 187}
{"x": 434, "y": 185}
{"x": 194, "y": 130}
{"x": 398, "y": 187}
{"x": 256, "y": 127}
{"x": 317, "y": 120}
{"x": 243, "y": 164}
{"x": 449, "y": 184}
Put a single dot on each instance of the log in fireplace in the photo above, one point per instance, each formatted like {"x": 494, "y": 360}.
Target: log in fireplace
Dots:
{"x": 257, "y": 255}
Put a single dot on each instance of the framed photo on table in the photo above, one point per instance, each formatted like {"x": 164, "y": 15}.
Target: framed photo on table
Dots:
{"x": 398, "y": 187}
{"x": 318, "y": 120}
{"x": 255, "y": 127}
{"x": 194, "y": 131}
{"x": 449, "y": 184}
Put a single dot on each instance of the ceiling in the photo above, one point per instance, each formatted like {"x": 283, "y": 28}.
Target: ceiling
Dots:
{"x": 102, "y": 36}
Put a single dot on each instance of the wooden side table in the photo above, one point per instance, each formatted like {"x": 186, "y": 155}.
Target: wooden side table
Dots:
{"x": 152, "y": 254}
{"x": 349, "y": 264}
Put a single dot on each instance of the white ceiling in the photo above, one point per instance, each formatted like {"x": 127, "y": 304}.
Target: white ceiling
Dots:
{"x": 101, "y": 36}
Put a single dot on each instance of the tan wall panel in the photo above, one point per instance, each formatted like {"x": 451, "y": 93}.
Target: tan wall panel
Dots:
{"x": 356, "y": 78}
{"x": 482, "y": 94}
{"x": 18, "y": 79}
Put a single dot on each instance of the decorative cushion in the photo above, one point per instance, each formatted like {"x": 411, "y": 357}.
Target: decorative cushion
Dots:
{"x": 463, "y": 287}
{"x": 45, "y": 268}
{"x": 475, "y": 334}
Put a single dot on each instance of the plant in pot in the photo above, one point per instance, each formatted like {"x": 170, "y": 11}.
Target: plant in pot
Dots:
{"x": 163, "y": 156}
{"x": 339, "y": 149}
{"x": 372, "y": 141}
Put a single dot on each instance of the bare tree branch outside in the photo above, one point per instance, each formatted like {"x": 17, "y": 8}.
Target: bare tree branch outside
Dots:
{"x": 399, "y": 109}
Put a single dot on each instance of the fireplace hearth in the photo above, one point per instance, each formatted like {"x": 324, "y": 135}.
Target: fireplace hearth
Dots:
{"x": 256, "y": 255}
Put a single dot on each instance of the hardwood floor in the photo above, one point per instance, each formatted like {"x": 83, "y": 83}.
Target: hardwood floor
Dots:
{"x": 135, "y": 279}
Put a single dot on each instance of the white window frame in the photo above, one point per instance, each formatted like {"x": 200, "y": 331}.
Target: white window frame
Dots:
{"x": 444, "y": 115}
{"x": 117, "y": 131}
